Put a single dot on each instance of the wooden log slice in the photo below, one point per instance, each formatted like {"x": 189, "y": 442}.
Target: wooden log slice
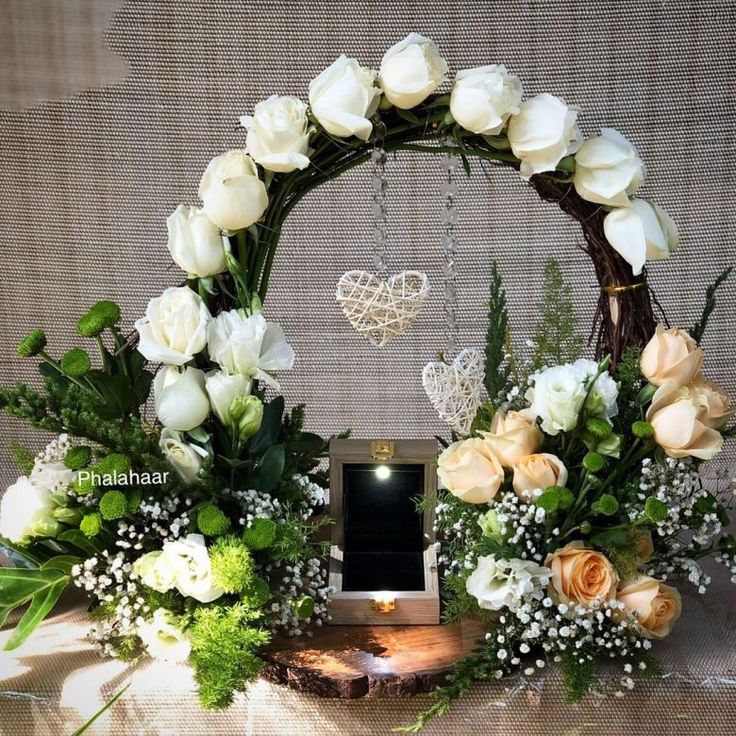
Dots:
{"x": 370, "y": 661}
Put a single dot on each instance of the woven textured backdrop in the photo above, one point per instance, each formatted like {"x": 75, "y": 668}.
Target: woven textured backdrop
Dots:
{"x": 110, "y": 110}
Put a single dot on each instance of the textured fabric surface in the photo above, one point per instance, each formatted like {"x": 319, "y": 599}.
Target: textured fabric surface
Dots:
{"x": 103, "y": 135}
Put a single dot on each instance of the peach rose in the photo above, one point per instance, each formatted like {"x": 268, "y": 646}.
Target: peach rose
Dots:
{"x": 671, "y": 355}
{"x": 655, "y": 605}
{"x": 718, "y": 402}
{"x": 541, "y": 470}
{"x": 512, "y": 437}
{"x": 470, "y": 471}
{"x": 681, "y": 421}
{"x": 581, "y": 576}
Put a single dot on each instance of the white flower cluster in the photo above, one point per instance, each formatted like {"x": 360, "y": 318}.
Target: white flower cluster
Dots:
{"x": 521, "y": 525}
{"x": 163, "y": 518}
{"x": 254, "y": 505}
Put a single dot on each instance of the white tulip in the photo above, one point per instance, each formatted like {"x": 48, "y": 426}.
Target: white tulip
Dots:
{"x": 483, "y": 99}
{"x": 232, "y": 194}
{"x": 195, "y": 242}
{"x": 180, "y": 398}
{"x": 193, "y": 571}
{"x": 26, "y": 510}
{"x": 640, "y": 233}
{"x": 608, "y": 169}
{"x": 174, "y": 329}
{"x": 163, "y": 638}
{"x": 497, "y": 583}
{"x": 543, "y": 133}
{"x": 248, "y": 346}
{"x": 156, "y": 571}
{"x": 223, "y": 389}
{"x": 184, "y": 457}
{"x": 278, "y": 134}
{"x": 343, "y": 97}
{"x": 411, "y": 70}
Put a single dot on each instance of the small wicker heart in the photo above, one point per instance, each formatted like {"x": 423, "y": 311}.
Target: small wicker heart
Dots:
{"x": 454, "y": 389}
{"x": 381, "y": 310}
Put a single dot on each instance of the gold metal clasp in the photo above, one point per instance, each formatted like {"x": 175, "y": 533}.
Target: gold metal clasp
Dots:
{"x": 382, "y": 449}
{"x": 383, "y": 603}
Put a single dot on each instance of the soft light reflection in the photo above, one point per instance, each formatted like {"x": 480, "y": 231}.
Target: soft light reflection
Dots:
{"x": 383, "y": 472}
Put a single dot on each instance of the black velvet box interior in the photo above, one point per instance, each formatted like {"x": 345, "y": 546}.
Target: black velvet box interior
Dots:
{"x": 383, "y": 547}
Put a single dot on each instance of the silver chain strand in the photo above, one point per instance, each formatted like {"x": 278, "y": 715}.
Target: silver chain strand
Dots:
{"x": 449, "y": 163}
{"x": 380, "y": 231}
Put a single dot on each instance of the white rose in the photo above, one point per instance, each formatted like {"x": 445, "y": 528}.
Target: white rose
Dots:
{"x": 156, "y": 571}
{"x": 180, "y": 398}
{"x": 483, "y": 99}
{"x": 248, "y": 346}
{"x": 411, "y": 70}
{"x": 223, "y": 389}
{"x": 232, "y": 194}
{"x": 543, "y": 133}
{"x": 608, "y": 169}
{"x": 195, "y": 242}
{"x": 278, "y": 134}
{"x": 174, "y": 328}
{"x": 498, "y": 584}
{"x": 193, "y": 571}
{"x": 603, "y": 394}
{"x": 184, "y": 457}
{"x": 557, "y": 398}
{"x": 343, "y": 97}
{"x": 640, "y": 233}
{"x": 26, "y": 511}
{"x": 163, "y": 638}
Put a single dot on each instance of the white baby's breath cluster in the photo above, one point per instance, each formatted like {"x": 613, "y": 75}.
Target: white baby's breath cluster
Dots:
{"x": 166, "y": 519}
{"x": 311, "y": 495}
{"x": 254, "y": 505}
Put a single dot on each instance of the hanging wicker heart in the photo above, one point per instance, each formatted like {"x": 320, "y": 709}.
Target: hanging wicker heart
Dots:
{"x": 381, "y": 310}
{"x": 454, "y": 389}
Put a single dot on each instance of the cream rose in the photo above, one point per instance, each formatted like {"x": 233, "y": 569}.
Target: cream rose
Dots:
{"x": 180, "y": 398}
{"x": 185, "y": 458}
{"x": 343, "y": 97}
{"x": 411, "y": 70}
{"x": 278, "y": 134}
{"x": 681, "y": 421}
{"x": 195, "y": 242}
{"x": 192, "y": 569}
{"x": 712, "y": 396}
{"x": 608, "y": 169}
{"x": 539, "y": 471}
{"x": 581, "y": 576}
{"x": 470, "y": 471}
{"x": 543, "y": 133}
{"x": 26, "y": 511}
{"x": 223, "y": 389}
{"x": 671, "y": 355}
{"x": 163, "y": 637}
{"x": 655, "y": 606}
{"x": 174, "y": 329}
{"x": 497, "y": 583}
{"x": 483, "y": 99}
{"x": 232, "y": 194}
{"x": 512, "y": 437}
{"x": 640, "y": 233}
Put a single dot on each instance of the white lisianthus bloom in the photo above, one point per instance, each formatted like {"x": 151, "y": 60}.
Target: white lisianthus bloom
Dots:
{"x": 223, "y": 389}
{"x": 483, "y": 99}
{"x": 608, "y": 169}
{"x": 278, "y": 134}
{"x": 195, "y": 242}
{"x": 543, "y": 133}
{"x": 53, "y": 476}
{"x": 192, "y": 568}
{"x": 180, "y": 397}
{"x": 232, "y": 194}
{"x": 343, "y": 97}
{"x": 497, "y": 583}
{"x": 640, "y": 233}
{"x": 248, "y": 346}
{"x": 557, "y": 397}
{"x": 603, "y": 394}
{"x": 156, "y": 571}
{"x": 174, "y": 329}
{"x": 184, "y": 457}
{"x": 26, "y": 510}
{"x": 163, "y": 637}
{"x": 411, "y": 70}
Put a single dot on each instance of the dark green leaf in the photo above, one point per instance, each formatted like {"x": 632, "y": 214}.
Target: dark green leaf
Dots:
{"x": 271, "y": 468}
{"x": 76, "y": 538}
{"x": 268, "y": 434}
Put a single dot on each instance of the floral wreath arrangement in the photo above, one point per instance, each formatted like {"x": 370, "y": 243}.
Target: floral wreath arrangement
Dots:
{"x": 571, "y": 499}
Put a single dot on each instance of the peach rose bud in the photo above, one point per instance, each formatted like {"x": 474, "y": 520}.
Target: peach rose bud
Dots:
{"x": 539, "y": 471}
{"x": 581, "y": 576}
{"x": 470, "y": 471}
{"x": 671, "y": 355}
{"x": 512, "y": 437}
{"x": 654, "y": 605}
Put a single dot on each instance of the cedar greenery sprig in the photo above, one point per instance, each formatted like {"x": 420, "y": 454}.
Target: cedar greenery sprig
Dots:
{"x": 497, "y": 370}
{"x": 698, "y": 330}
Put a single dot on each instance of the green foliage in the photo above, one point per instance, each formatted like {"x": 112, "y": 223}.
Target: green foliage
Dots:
{"x": 113, "y": 464}
{"x": 655, "y": 509}
{"x": 630, "y": 382}
{"x": 107, "y": 311}
{"x": 578, "y": 674}
{"x": 599, "y": 428}
{"x": 90, "y": 325}
{"x": 497, "y": 371}
{"x": 91, "y": 525}
{"x": 32, "y": 344}
{"x": 642, "y": 430}
{"x": 555, "y": 336}
{"x": 698, "y": 330}
{"x": 75, "y": 363}
{"x": 83, "y": 729}
{"x": 113, "y": 505}
{"x": 256, "y": 593}
{"x": 304, "y": 607}
{"x": 232, "y": 564}
{"x": 593, "y": 462}
{"x": 606, "y": 505}
{"x": 23, "y": 457}
{"x": 260, "y": 534}
{"x": 211, "y": 521}
{"x": 459, "y": 603}
{"x": 78, "y": 457}
{"x": 225, "y": 643}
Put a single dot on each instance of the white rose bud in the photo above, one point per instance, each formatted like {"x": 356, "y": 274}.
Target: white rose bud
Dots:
{"x": 343, "y": 97}
{"x": 543, "y": 133}
{"x": 640, "y": 233}
{"x": 232, "y": 194}
{"x": 278, "y": 134}
{"x": 180, "y": 398}
{"x": 193, "y": 568}
{"x": 155, "y": 571}
{"x": 608, "y": 169}
{"x": 195, "y": 242}
{"x": 185, "y": 458}
{"x": 483, "y": 99}
{"x": 223, "y": 389}
{"x": 411, "y": 70}
{"x": 174, "y": 329}
{"x": 26, "y": 510}
{"x": 163, "y": 637}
